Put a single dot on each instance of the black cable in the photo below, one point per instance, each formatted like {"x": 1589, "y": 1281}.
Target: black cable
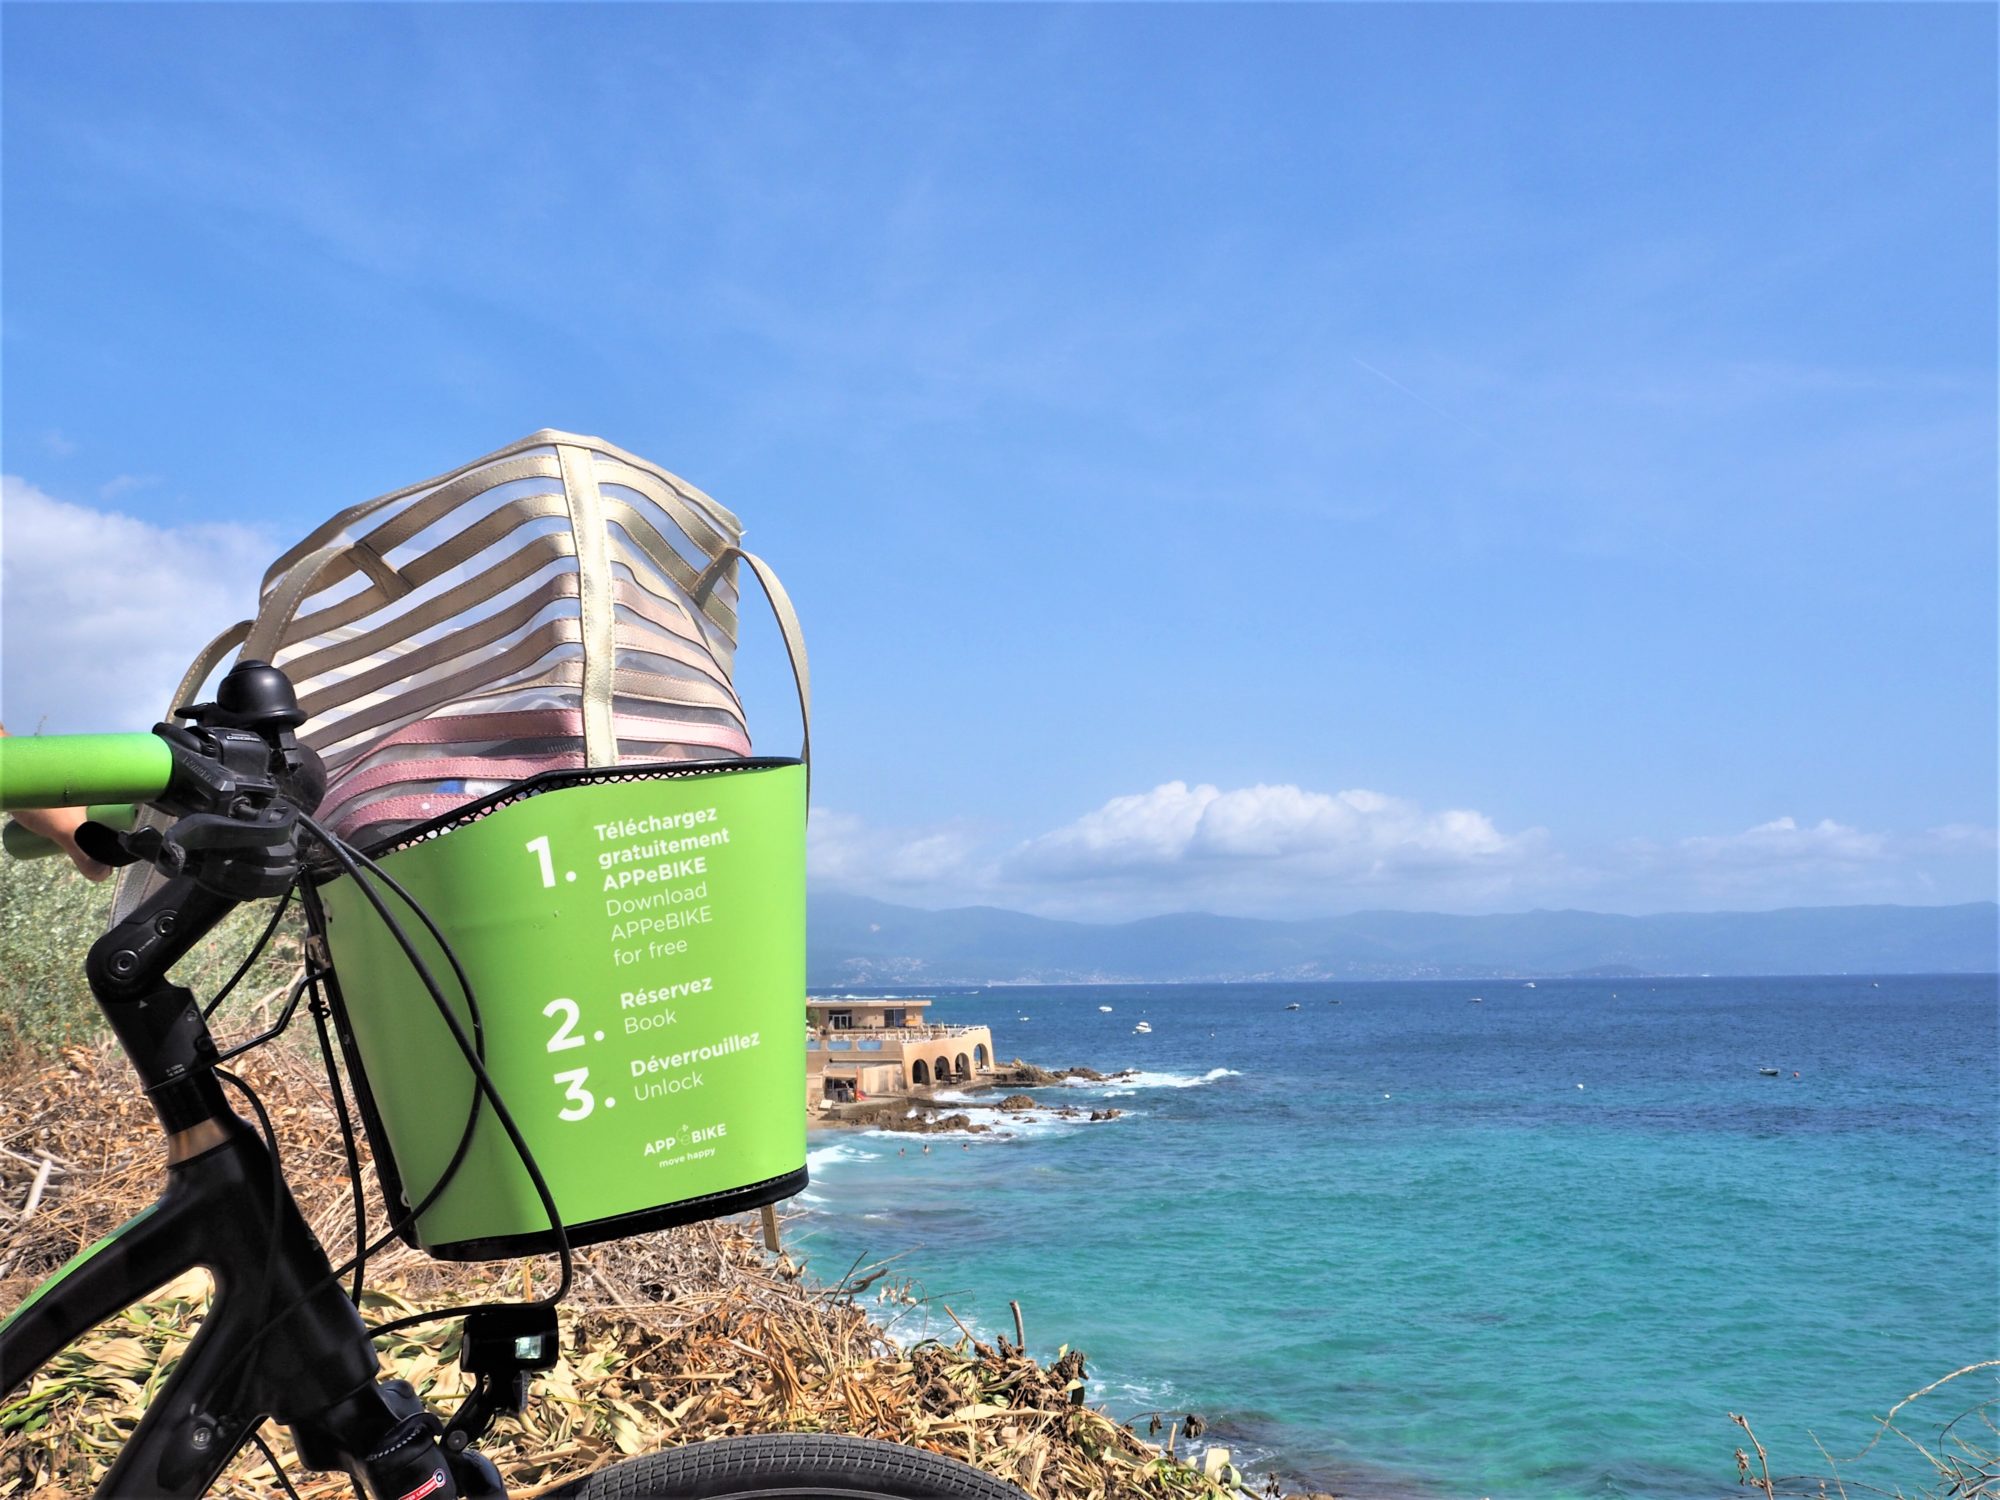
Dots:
{"x": 347, "y": 1145}
{"x": 359, "y": 1260}
{"x": 263, "y": 1119}
{"x": 409, "y": 1216}
{"x": 278, "y": 1192}
{"x": 256, "y": 949}
{"x": 271, "y": 1458}
{"x": 351, "y": 861}
{"x": 563, "y": 1250}
{"x": 450, "y": 954}
{"x": 398, "y": 1223}
{"x": 307, "y": 976}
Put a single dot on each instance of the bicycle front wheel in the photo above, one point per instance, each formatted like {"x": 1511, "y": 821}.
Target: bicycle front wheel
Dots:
{"x": 798, "y": 1466}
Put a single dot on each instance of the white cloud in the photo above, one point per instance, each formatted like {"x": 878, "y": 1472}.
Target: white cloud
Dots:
{"x": 1783, "y": 842}
{"x": 844, "y": 852}
{"x": 1966, "y": 836}
{"x": 1138, "y": 832}
{"x": 1284, "y": 851}
{"x": 1789, "y": 862}
{"x": 101, "y": 612}
{"x": 1354, "y": 837}
{"x": 1264, "y": 850}
{"x": 121, "y": 484}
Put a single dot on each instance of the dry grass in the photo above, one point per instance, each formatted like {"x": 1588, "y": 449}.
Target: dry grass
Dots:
{"x": 1962, "y": 1452}
{"x": 669, "y": 1338}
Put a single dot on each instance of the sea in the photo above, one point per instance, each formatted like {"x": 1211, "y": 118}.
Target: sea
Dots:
{"x": 1487, "y": 1239}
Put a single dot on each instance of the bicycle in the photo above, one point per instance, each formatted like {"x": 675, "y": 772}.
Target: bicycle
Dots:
{"x": 283, "y": 1339}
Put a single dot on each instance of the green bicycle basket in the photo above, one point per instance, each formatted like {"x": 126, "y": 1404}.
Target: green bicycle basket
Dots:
{"x": 519, "y": 676}
{"x": 635, "y": 941}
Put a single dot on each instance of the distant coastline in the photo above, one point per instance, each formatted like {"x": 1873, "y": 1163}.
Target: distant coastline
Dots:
{"x": 855, "y": 941}
{"x": 1251, "y": 981}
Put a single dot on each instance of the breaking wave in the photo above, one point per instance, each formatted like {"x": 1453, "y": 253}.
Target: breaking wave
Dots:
{"x": 821, "y": 1157}
{"x": 1128, "y": 1083}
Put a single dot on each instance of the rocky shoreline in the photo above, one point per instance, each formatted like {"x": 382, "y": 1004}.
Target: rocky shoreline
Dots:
{"x": 920, "y": 1113}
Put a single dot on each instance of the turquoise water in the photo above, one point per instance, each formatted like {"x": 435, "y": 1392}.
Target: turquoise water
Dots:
{"x": 1389, "y": 1245}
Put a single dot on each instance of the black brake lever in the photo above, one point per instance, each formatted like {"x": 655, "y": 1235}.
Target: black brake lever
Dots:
{"x": 240, "y": 781}
{"x": 105, "y": 845}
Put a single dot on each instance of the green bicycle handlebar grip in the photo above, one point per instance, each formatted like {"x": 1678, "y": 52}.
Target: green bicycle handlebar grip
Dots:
{"x": 69, "y": 770}
{"x": 19, "y": 842}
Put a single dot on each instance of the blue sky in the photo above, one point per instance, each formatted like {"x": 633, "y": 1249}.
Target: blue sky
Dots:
{"x": 1258, "y": 459}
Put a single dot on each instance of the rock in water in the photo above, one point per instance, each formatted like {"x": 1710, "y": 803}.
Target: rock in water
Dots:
{"x": 1026, "y": 1072}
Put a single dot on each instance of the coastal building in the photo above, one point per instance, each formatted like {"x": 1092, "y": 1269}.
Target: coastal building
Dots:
{"x": 873, "y": 1049}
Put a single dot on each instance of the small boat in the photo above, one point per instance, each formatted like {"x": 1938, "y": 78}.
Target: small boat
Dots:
{"x": 1142, "y": 1028}
{"x": 1293, "y": 1006}
{"x": 1768, "y": 1072}
{"x": 1477, "y": 1000}
{"x": 1529, "y": 985}
{"x": 1105, "y": 1008}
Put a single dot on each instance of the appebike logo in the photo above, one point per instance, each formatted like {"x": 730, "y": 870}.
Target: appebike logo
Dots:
{"x": 430, "y": 1486}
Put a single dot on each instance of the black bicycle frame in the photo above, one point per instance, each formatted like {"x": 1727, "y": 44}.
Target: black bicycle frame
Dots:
{"x": 280, "y": 1338}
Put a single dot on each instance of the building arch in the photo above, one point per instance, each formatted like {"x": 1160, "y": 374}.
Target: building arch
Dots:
{"x": 964, "y": 1066}
{"x": 979, "y": 1057}
{"x": 919, "y": 1074}
{"x": 942, "y": 1068}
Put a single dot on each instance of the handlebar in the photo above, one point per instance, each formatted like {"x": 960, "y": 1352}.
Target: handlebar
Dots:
{"x": 69, "y": 770}
{"x": 19, "y": 843}
{"x": 234, "y": 781}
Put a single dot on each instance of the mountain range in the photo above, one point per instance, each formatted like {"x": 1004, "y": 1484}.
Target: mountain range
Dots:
{"x": 854, "y": 940}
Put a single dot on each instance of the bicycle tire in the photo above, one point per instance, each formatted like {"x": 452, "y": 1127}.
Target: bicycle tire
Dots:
{"x": 796, "y": 1466}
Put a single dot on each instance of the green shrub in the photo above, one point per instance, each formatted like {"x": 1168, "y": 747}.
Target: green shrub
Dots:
{"x": 50, "y": 915}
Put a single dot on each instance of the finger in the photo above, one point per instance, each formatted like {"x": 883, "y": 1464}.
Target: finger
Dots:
{"x": 87, "y": 867}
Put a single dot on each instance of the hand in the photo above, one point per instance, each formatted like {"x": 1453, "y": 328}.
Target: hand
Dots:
{"x": 61, "y": 824}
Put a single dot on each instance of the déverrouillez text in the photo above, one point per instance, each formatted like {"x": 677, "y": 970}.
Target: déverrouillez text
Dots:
{"x": 663, "y": 1062}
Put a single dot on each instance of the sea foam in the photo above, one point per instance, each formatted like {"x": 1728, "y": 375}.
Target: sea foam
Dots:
{"x": 819, "y": 1158}
{"x": 1127, "y": 1083}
